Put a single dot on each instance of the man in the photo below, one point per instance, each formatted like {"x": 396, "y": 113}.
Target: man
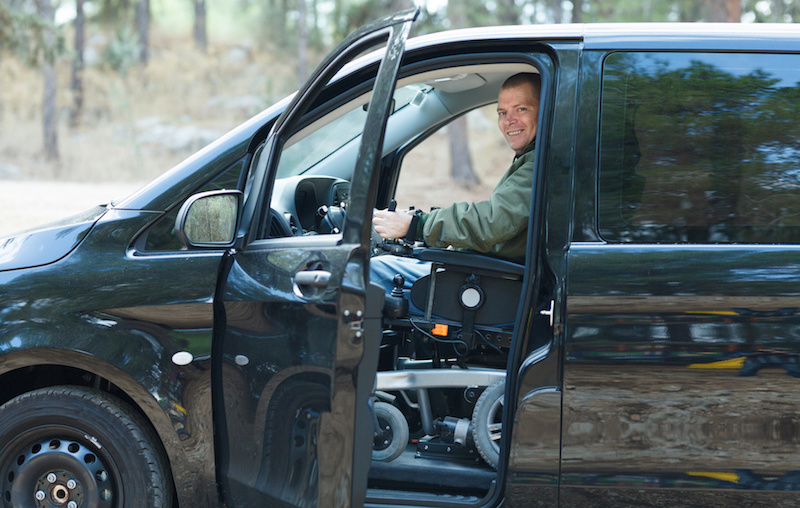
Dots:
{"x": 497, "y": 226}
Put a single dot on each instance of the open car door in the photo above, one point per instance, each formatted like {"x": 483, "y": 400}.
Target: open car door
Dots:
{"x": 297, "y": 324}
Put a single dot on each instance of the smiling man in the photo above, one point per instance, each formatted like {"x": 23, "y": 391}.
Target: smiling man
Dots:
{"x": 497, "y": 226}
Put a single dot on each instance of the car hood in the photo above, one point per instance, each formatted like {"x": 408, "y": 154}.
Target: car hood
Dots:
{"x": 46, "y": 244}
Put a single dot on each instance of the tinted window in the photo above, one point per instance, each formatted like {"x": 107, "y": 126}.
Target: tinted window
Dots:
{"x": 700, "y": 148}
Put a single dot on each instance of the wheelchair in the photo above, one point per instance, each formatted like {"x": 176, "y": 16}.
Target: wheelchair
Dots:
{"x": 441, "y": 374}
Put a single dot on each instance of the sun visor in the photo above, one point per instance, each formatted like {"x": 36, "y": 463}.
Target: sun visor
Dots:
{"x": 457, "y": 82}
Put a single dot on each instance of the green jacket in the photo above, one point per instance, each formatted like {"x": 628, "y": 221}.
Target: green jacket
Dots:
{"x": 497, "y": 226}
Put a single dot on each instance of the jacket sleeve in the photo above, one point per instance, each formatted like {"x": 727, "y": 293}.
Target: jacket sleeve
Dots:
{"x": 482, "y": 225}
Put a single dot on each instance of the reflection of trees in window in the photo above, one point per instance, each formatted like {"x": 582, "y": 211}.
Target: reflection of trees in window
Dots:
{"x": 719, "y": 148}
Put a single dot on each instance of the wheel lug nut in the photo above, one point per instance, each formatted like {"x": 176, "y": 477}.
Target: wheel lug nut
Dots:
{"x": 72, "y": 504}
{"x": 51, "y": 477}
{"x": 71, "y": 484}
{"x": 40, "y": 495}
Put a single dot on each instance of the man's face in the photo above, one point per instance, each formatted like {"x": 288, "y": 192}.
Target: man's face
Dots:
{"x": 517, "y": 114}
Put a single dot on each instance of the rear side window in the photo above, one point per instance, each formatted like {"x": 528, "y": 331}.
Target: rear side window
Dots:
{"x": 700, "y": 148}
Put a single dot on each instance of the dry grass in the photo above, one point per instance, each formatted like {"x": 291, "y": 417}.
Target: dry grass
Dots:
{"x": 177, "y": 87}
{"x": 106, "y": 156}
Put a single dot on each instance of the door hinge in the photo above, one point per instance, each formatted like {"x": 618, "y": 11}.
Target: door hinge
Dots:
{"x": 355, "y": 321}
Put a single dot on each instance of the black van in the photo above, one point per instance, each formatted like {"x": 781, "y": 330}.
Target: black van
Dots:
{"x": 215, "y": 339}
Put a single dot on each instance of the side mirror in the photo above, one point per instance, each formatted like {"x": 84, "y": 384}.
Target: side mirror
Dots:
{"x": 209, "y": 219}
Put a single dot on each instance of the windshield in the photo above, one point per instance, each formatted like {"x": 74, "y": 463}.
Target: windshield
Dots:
{"x": 331, "y": 137}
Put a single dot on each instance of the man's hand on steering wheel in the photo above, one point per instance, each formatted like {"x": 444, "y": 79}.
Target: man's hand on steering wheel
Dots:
{"x": 392, "y": 224}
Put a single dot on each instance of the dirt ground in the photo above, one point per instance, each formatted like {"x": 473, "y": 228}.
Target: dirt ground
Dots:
{"x": 28, "y": 203}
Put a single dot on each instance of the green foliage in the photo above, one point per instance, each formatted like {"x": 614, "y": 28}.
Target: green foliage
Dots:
{"x": 27, "y": 35}
{"x": 122, "y": 52}
{"x": 115, "y": 11}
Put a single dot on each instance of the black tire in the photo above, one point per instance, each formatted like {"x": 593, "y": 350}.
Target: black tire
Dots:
{"x": 77, "y": 444}
{"x": 487, "y": 423}
{"x": 393, "y": 439}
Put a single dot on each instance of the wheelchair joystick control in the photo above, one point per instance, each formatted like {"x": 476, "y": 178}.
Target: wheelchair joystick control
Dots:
{"x": 396, "y": 305}
{"x": 399, "y": 281}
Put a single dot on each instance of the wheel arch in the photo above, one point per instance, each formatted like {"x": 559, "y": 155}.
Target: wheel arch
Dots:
{"x": 31, "y": 369}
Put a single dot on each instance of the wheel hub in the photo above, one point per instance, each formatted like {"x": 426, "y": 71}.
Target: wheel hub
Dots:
{"x": 384, "y": 439}
{"x": 52, "y": 472}
{"x": 58, "y": 488}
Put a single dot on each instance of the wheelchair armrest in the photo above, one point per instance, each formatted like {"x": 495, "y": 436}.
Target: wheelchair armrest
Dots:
{"x": 468, "y": 260}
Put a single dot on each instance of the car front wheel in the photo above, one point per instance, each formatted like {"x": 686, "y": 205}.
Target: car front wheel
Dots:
{"x": 73, "y": 447}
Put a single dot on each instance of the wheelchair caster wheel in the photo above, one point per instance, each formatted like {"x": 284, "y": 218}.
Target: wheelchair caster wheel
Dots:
{"x": 393, "y": 439}
{"x": 487, "y": 423}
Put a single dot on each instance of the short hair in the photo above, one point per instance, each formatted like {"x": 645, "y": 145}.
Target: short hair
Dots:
{"x": 531, "y": 78}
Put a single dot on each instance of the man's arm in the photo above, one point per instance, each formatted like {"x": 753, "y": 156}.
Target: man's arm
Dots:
{"x": 482, "y": 225}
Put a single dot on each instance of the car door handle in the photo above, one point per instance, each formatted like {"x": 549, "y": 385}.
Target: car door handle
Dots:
{"x": 315, "y": 278}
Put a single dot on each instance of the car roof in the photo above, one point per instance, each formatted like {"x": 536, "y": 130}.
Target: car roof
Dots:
{"x": 644, "y": 36}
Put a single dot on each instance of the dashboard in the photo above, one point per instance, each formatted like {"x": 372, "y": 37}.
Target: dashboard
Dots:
{"x": 312, "y": 204}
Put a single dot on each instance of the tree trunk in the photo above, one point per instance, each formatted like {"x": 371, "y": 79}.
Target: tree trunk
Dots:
{"x": 49, "y": 119}
{"x": 200, "y": 37}
{"x": 76, "y": 85}
{"x": 577, "y": 11}
{"x": 558, "y": 11}
{"x": 734, "y": 11}
{"x": 507, "y": 12}
{"x": 49, "y": 116}
{"x": 315, "y": 34}
{"x": 281, "y": 18}
{"x": 302, "y": 42}
{"x": 718, "y": 10}
{"x": 460, "y": 159}
{"x": 143, "y": 29}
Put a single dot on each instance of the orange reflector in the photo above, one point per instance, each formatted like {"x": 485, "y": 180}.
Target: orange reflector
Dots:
{"x": 440, "y": 330}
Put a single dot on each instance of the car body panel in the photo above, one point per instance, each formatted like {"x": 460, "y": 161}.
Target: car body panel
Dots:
{"x": 667, "y": 376}
{"x": 700, "y": 373}
{"x": 98, "y": 321}
{"x": 26, "y": 249}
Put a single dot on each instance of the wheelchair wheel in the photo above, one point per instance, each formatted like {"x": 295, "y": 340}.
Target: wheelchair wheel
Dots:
{"x": 393, "y": 439}
{"x": 487, "y": 423}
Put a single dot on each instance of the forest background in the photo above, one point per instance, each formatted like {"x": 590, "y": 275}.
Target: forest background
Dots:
{"x": 98, "y": 97}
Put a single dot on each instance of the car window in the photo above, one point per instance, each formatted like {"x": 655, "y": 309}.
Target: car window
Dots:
{"x": 300, "y": 156}
{"x": 312, "y": 185}
{"x": 426, "y": 178}
{"x": 700, "y": 148}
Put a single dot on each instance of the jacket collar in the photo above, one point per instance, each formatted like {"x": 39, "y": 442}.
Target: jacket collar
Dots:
{"x": 527, "y": 149}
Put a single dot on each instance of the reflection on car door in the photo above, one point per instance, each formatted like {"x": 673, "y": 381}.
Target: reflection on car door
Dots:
{"x": 298, "y": 331}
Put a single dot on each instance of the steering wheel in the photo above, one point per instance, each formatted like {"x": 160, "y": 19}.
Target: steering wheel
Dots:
{"x": 331, "y": 219}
